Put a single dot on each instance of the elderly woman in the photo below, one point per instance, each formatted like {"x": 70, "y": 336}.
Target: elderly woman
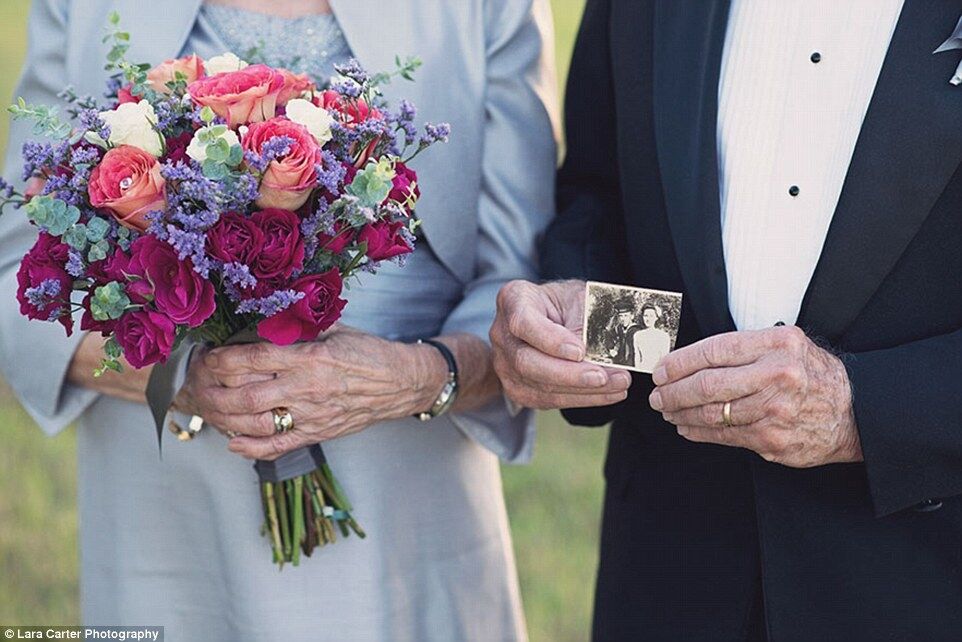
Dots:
{"x": 175, "y": 541}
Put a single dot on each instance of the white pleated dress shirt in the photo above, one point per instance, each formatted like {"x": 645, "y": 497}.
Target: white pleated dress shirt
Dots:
{"x": 796, "y": 80}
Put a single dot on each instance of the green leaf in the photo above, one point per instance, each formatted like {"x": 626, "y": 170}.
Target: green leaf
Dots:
{"x": 207, "y": 115}
{"x": 97, "y": 229}
{"x": 113, "y": 18}
{"x": 372, "y": 184}
{"x": 214, "y": 170}
{"x": 236, "y": 156}
{"x": 76, "y": 237}
{"x": 109, "y": 302}
{"x": 98, "y": 251}
{"x": 218, "y": 151}
{"x": 112, "y": 349}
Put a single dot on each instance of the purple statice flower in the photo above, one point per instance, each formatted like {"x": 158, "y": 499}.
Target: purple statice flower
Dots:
{"x": 84, "y": 155}
{"x": 190, "y": 245}
{"x": 353, "y": 70}
{"x": 90, "y": 120}
{"x": 6, "y": 189}
{"x": 435, "y": 133}
{"x": 239, "y": 275}
{"x": 75, "y": 264}
{"x": 404, "y": 119}
{"x": 270, "y": 305}
{"x": 346, "y": 87}
{"x": 114, "y": 83}
{"x": 274, "y": 148}
{"x": 44, "y": 294}
{"x": 166, "y": 111}
{"x": 37, "y": 156}
{"x": 320, "y": 221}
{"x": 330, "y": 173}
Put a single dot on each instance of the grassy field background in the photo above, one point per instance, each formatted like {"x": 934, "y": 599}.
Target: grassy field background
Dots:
{"x": 554, "y": 503}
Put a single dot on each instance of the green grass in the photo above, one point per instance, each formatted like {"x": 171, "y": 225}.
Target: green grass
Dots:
{"x": 554, "y": 504}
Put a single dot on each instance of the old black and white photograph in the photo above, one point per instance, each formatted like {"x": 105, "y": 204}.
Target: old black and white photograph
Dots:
{"x": 628, "y": 327}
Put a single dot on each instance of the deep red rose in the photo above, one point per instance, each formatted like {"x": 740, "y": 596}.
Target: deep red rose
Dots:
{"x": 384, "y": 240}
{"x": 146, "y": 337}
{"x": 46, "y": 260}
{"x": 405, "y": 186}
{"x": 182, "y": 294}
{"x": 124, "y": 95}
{"x": 335, "y": 243}
{"x": 312, "y": 315}
{"x": 177, "y": 147}
{"x": 282, "y": 250}
{"x": 234, "y": 239}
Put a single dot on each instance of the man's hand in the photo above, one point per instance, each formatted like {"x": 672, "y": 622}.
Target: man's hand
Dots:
{"x": 538, "y": 349}
{"x": 791, "y": 401}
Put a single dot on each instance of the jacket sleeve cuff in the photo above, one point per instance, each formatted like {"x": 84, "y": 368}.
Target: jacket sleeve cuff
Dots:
{"x": 908, "y": 413}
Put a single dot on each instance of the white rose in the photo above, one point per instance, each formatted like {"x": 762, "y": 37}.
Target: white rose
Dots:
{"x": 224, "y": 62}
{"x": 198, "y": 148}
{"x": 314, "y": 118}
{"x": 132, "y": 124}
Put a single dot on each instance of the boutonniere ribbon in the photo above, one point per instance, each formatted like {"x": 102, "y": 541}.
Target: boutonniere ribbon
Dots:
{"x": 953, "y": 42}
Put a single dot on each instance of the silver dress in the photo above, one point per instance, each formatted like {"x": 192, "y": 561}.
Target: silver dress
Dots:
{"x": 182, "y": 546}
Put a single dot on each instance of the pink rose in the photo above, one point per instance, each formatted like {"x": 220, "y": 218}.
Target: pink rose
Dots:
{"x": 350, "y": 113}
{"x": 245, "y": 96}
{"x": 45, "y": 262}
{"x": 183, "y": 295}
{"x": 191, "y": 66}
{"x": 294, "y": 86}
{"x": 405, "y": 185}
{"x": 127, "y": 182}
{"x": 282, "y": 248}
{"x": 145, "y": 336}
{"x": 384, "y": 240}
{"x": 288, "y": 181}
{"x": 235, "y": 239}
{"x": 312, "y": 315}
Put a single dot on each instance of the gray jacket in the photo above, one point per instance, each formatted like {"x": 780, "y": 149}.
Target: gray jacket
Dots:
{"x": 488, "y": 193}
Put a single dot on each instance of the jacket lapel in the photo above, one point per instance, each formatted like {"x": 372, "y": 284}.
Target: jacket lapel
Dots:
{"x": 688, "y": 39}
{"x": 908, "y": 149}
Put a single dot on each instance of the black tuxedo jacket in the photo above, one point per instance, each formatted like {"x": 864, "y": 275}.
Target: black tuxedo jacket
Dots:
{"x": 692, "y": 533}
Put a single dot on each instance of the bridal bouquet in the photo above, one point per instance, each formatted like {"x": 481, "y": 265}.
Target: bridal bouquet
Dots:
{"x": 216, "y": 199}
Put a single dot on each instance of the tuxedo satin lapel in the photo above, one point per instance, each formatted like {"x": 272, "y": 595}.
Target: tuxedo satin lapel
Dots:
{"x": 908, "y": 149}
{"x": 688, "y": 39}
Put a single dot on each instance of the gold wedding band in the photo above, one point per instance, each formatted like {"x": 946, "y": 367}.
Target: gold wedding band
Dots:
{"x": 283, "y": 421}
{"x": 727, "y": 414}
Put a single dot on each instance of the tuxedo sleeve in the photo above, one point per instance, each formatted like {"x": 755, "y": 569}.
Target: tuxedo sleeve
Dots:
{"x": 586, "y": 240}
{"x": 517, "y": 194}
{"x": 908, "y": 408}
{"x": 35, "y": 356}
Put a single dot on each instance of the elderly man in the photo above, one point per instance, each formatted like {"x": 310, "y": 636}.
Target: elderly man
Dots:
{"x": 786, "y": 164}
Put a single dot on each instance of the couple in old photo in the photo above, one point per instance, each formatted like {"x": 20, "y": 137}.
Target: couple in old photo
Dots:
{"x": 790, "y": 469}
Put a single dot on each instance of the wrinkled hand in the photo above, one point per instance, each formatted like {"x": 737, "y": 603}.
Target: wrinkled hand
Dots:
{"x": 332, "y": 387}
{"x": 538, "y": 349}
{"x": 791, "y": 401}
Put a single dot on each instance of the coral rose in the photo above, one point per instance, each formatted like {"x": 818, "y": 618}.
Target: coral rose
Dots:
{"x": 127, "y": 182}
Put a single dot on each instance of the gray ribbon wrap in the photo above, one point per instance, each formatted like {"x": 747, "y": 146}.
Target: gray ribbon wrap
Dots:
{"x": 165, "y": 382}
{"x": 953, "y": 42}
{"x": 290, "y": 465}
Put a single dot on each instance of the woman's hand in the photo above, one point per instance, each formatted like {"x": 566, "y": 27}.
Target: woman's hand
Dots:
{"x": 333, "y": 387}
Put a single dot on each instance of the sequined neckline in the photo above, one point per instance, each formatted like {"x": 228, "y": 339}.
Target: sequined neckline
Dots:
{"x": 309, "y": 44}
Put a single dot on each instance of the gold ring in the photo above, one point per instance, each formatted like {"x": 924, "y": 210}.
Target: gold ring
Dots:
{"x": 727, "y": 414}
{"x": 283, "y": 421}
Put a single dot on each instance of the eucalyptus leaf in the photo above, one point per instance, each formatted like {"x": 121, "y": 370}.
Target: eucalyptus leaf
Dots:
{"x": 109, "y": 302}
{"x": 76, "y": 237}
